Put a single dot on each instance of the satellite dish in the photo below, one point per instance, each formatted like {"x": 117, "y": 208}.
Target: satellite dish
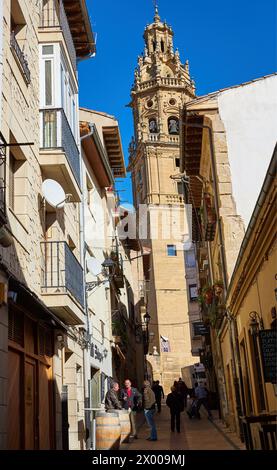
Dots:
{"x": 53, "y": 193}
{"x": 94, "y": 266}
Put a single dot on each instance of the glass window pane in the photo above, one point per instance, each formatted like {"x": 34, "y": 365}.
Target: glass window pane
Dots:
{"x": 48, "y": 82}
{"x": 46, "y": 50}
{"x": 171, "y": 250}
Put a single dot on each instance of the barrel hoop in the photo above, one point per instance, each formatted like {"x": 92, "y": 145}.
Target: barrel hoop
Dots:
{"x": 107, "y": 426}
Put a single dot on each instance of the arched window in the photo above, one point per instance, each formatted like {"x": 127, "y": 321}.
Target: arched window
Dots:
{"x": 153, "y": 128}
{"x": 162, "y": 46}
{"x": 154, "y": 45}
{"x": 173, "y": 125}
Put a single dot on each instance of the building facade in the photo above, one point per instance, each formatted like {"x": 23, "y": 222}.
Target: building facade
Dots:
{"x": 162, "y": 86}
{"x": 42, "y": 347}
{"x": 220, "y": 147}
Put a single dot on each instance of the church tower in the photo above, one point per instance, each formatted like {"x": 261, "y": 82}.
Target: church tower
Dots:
{"x": 162, "y": 85}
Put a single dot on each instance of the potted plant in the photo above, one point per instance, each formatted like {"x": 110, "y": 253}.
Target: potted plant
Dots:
{"x": 208, "y": 295}
{"x": 218, "y": 288}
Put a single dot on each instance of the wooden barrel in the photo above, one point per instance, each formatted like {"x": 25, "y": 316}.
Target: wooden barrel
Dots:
{"x": 107, "y": 431}
{"x": 125, "y": 424}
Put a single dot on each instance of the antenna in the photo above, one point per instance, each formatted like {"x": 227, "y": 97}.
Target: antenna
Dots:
{"x": 94, "y": 266}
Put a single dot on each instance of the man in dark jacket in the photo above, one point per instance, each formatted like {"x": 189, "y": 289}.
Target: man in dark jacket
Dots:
{"x": 111, "y": 399}
{"x": 131, "y": 400}
{"x": 159, "y": 393}
{"x": 175, "y": 403}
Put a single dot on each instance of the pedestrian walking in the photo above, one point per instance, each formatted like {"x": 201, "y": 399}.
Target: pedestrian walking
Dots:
{"x": 183, "y": 390}
{"x": 201, "y": 393}
{"x": 131, "y": 400}
{"x": 159, "y": 393}
{"x": 112, "y": 399}
{"x": 149, "y": 401}
{"x": 176, "y": 405}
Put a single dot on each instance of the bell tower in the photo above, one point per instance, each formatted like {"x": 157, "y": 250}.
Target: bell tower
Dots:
{"x": 161, "y": 86}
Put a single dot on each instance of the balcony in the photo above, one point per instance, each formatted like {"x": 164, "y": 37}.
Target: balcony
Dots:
{"x": 174, "y": 199}
{"x": 59, "y": 154}
{"x": 62, "y": 285}
{"x": 20, "y": 59}
{"x": 118, "y": 276}
{"x": 53, "y": 17}
{"x": 209, "y": 218}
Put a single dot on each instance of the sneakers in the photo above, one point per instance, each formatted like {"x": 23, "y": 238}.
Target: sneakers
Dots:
{"x": 150, "y": 439}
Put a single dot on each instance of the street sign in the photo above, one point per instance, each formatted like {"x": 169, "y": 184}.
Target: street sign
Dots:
{"x": 200, "y": 329}
{"x": 268, "y": 343}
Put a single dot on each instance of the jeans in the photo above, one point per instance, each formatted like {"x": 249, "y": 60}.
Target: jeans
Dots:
{"x": 149, "y": 415}
{"x": 175, "y": 415}
{"x": 204, "y": 402}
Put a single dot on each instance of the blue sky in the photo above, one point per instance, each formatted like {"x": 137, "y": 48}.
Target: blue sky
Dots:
{"x": 227, "y": 43}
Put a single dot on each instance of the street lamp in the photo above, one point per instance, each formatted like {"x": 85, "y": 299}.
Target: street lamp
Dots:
{"x": 256, "y": 323}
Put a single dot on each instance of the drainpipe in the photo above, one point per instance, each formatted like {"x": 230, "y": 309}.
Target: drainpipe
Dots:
{"x": 86, "y": 353}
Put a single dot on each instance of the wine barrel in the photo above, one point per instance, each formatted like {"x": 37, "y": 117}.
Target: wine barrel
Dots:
{"x": 107, "y": 431}
{"x": 125, "y": 424}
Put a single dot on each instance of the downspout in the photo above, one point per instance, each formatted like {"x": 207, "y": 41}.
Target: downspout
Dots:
{"x": 86, "y": 356}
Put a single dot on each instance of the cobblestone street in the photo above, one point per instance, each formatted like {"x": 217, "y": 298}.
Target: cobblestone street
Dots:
{"x": 195, "y": 435}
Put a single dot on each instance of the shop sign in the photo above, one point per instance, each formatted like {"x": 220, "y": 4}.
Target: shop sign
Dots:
{"x": 268, "y": 343}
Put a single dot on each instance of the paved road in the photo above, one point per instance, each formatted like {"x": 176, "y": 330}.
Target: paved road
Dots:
{"x": 195, "y": 435}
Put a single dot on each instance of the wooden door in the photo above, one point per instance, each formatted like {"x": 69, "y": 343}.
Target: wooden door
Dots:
{"x": 30, "y": 404}
{"x": 15, "y": 418}
{"x": 44, "y": 406}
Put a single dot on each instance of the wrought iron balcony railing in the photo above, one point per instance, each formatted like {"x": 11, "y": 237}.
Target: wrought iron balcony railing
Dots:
{"x": 57, "y": 133}
{"x": 20, "y": 58}
{"x": 52, "y": 15}
{"x": 61, "y": 271}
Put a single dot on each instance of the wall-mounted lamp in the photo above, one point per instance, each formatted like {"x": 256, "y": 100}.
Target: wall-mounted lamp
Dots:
{"x": 256, "y": 323}
{"x": 59, "y": 338}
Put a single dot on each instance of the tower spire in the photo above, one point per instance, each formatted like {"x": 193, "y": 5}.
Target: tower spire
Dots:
{"x": 156, "y": 17}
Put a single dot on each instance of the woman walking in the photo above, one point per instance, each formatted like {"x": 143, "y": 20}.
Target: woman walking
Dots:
{"x": 175, "y": 403}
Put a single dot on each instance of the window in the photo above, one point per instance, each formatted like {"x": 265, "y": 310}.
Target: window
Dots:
{"x": 62, "y": 87}
{"x": 48, "y": 50}
{"x": 18, "y": 35}
{"x": 12, "y": 171}
{"x": 162, "y": 46}
{"x": 180, "y": 188}
{"x": 48, "y": 82}
{"x": 177, "y": 162}
{"x": 171, "y": 250}
{"x": 190, "y": 259}
{"x": 193, "y": 292}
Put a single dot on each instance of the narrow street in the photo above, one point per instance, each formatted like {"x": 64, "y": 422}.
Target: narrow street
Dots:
{"x": 195, "y": 434}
